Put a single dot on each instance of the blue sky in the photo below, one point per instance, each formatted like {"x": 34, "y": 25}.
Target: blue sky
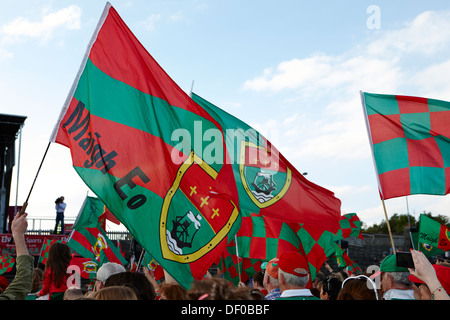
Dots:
{"x": 291, "y": 69}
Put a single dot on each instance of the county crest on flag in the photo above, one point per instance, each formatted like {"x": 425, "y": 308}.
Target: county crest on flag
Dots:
{"x": 410, "y": 143}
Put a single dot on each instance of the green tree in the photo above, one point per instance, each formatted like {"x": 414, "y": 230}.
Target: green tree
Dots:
{"x": 398, "y": 222}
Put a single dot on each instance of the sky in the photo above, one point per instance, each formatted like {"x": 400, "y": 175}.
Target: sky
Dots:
{"x": 291, "y": 69}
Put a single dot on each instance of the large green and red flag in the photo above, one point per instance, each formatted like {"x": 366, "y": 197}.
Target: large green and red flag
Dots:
{"x": 280, "y": 209}
{"x": 123, "y": 121}
{"x": 6, "y": 263}
{"x": 268, "y": 185}
{"x": 89, "y": 239}
{"x": 410, "y": 143}
{"x": 433, "y": 235}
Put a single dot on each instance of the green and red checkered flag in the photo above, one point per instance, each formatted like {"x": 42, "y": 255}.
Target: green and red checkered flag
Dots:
{"x": 6, "y": 263}
{"x": 123, "y": 121}
{"x": 433, "y": 234}
{"x": 410, "y": 143}
{"x": 46, "y": 244}
{"x": 235, "y": 268}
{"x": 265, "y": 238}
{"x": 350, "y": 226}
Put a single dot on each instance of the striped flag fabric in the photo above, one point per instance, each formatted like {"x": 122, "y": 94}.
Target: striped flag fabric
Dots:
{"x": 119, "y": 121}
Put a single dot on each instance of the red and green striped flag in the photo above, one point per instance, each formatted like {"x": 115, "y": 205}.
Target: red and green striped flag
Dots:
{"x": 433, "y": 234}
{"x": 6, "y": 263}
{"x": 123, "y": 121}
{"x": 89, "y": 239}
{"x": 47, "y": 243}
{"x": 410, "y": 143}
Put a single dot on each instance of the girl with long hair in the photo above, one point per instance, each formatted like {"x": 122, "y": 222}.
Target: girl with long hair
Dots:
{"x": 55, "y": 273}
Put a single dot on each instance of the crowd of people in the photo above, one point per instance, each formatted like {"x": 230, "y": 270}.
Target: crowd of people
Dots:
{"x": 286, "y": 277}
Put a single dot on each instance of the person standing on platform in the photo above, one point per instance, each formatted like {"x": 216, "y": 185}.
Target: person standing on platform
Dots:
{"x": 60, "y": 207}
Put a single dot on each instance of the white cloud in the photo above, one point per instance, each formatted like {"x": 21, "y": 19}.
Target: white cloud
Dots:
{"x": 321, "y": 73}
{"x": 334, "y": 81}
{"x": 150, "y": 22}
{"x": 434, "y": 81}
{"x": 156, "y": 18}
{"x": 428, "y": 33}
{"x": 22, "y": 28}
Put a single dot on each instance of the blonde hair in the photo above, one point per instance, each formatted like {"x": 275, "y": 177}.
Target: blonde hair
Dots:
{"x": 115, "y": 293}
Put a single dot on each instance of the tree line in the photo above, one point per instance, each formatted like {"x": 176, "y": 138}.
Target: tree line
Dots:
{"x": 398, "y": 222}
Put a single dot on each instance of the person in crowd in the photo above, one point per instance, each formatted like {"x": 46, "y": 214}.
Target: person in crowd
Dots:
{"x": 329, "y": 288}
{"x": 271, "y": 279}
{"x": 258, "y": 282}
{"x": 171, "y": 291}
{"x": 115, "y": 293}
{"x": 294, "y": 277}
{"x": 358, "y": 288}
{"x": 55, "y": 273}
{"x": 105, "y": 271}
{"x": 73, "y": 293}
{"x": 435, "y": 277}
{"x": 60, "y": 207}
{"x": 38, "y": 278}
{"x": 394, "y": 280}
{"x": 209, "y": 289}
{"x": 135, "y": 280}
{"x": 19, "y": 288}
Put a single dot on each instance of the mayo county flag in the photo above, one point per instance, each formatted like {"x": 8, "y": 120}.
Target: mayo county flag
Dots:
{"x": 280, "y": 209}
{"x": 433, "y": 235}
{"x": 410, "y": 142}
{"x": 121, "y": 121}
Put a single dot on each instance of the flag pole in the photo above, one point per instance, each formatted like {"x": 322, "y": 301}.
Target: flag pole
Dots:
{"x": 25, "y": 204}
{"x": 388, "y": 226}
{"x": 192, "y": 88}
{"x": 237, "y": 255}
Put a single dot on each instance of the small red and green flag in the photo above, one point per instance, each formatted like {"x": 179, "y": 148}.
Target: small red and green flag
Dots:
{"x": 153, "y": 266}
{"x": 235, "y": 268}
{"x": 433, "y": 235}
{"x": 350, "y": 226}
{"x": 6, "y": 263}
{"x": 123, "y": 121}
{"x": 89, "y": 239}
{"x": 47, "y": 243}
{"x": 87, "y": 267}
{"x": 410, "y": 143}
